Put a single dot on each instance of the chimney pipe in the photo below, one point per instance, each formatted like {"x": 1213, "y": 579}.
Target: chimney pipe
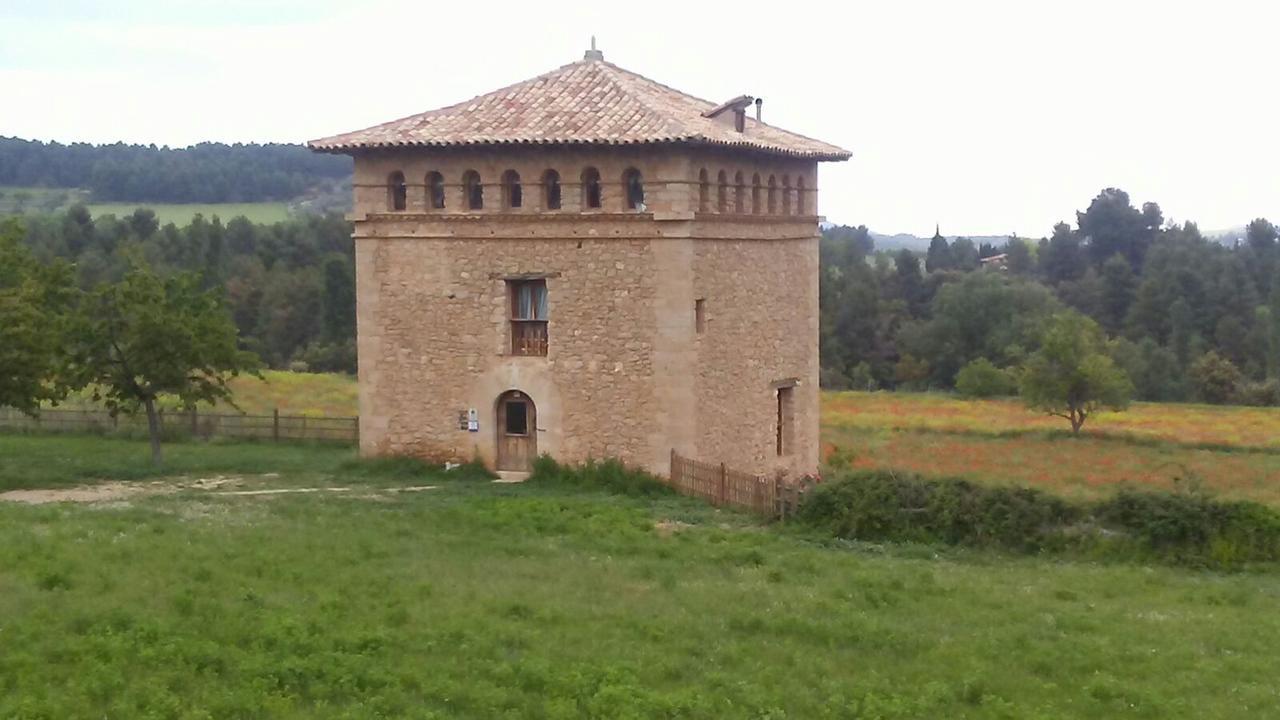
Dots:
{"x": 759, "y": 104}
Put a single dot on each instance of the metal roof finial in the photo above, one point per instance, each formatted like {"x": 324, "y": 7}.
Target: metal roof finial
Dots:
{"x": 593, "y": 53}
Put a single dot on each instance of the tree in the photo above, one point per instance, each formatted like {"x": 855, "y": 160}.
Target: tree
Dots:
{"x": 1071, "y": 376}
{"x": 1118, "y": 288}
{"x": 1112, "y": 226}
{"x": 33, "y": 298}
{"x": 981, "y": 314}
{"x": 964, "y": 255}
{"x": 147, "y": 336}
{"x": 1062, "y": 257}
{"x": 939, "y": 255}
{"x": 1021, "y": 261}
{"x": 1216, "y": 379}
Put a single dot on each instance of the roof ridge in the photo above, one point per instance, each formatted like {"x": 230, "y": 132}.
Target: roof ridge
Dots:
{"x": 676, "y": 128}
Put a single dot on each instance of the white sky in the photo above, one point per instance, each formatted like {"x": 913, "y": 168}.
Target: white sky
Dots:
{"x": 987, "y": 117}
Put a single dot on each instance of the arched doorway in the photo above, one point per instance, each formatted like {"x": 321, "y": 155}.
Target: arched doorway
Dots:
{"x": 517, "y": 426}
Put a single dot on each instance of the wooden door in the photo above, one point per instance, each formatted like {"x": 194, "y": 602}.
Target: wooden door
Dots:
{"x": 517, "y": 427}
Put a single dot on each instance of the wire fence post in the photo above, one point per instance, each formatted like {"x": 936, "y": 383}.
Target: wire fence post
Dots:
{"x": 275, "y": 424}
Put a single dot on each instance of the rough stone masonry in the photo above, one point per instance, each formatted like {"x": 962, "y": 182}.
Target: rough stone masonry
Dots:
{"x": 674, "y": 241}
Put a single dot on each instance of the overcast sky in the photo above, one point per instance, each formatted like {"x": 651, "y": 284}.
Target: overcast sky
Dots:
{"x": 986, "y": 117}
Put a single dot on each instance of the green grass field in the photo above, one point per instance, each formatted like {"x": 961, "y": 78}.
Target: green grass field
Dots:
{"x": 181, "y": 214}
{"x": 44, "y": 200}
{"x": 479, "y": 600}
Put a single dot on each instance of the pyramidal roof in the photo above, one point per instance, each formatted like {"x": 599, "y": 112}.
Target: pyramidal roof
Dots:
{"x": 590, "y": 102}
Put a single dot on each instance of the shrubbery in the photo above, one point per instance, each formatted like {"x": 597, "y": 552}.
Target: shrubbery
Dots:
{"x": 1188, "y": 528}
{"x": 981, "y": 379}
{"x": 611, "y": 475}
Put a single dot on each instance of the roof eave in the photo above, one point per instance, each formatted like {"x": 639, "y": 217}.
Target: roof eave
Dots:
{"x": 351, "y": 148}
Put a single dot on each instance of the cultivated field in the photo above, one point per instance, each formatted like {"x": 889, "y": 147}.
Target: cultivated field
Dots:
{"x": 44, "y": 200}
{"x": 310, "y": 394}
{"x": 181, "y": 213}
{"x": 1231, "y": 451}
{"x": 350, "y": 595}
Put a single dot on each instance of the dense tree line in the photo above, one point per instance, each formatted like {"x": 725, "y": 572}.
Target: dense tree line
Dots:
{"x": 207, "y": 172}
{"x": 290, "y": 286}
{"x": 1187, "y": 318}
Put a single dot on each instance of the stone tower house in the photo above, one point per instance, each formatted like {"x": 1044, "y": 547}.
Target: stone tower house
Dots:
{"x": 588, "y": 264}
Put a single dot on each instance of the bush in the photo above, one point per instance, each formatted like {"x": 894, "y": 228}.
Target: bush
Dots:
{"x": 981, "y": 379}
{"x": 1188, "y": 528}
{"x": 1215, "y": 378}
{"x": 883, "y": 505}
{"x": 1261, "y": 394}
{"x": 611, "y": 475}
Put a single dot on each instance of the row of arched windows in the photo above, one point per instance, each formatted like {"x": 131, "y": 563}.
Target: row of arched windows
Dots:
{"x": 764, "y": 197}
{"x": 512, "y": 191}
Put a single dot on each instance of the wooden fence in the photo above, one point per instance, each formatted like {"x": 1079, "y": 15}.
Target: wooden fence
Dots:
{"x": 721, "y": 486}
{"x": 188, "y": 424}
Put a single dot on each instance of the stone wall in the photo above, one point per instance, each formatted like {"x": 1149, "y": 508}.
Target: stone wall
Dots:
{"x": 626, "y": 374}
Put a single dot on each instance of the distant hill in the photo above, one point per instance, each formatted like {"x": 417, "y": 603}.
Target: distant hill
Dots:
{"x": 921, "y": 244}
{"x": 202, "y": 173}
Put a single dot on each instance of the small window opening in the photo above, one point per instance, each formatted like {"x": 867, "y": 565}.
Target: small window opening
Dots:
{"x": 517, "y": 412}
{"x": 529, "y": 315}
{"x": 634, "y": 185}
{"x": 739, "y": 194}
{"x": 435, "y": 191}
{"x": 700, "y": 315}
{"x": 397, "y": 191}
{"x": 591, "y": 196}
{"x": 773, "y": 196}
{"x": 786, "y": 420}
{"x": 704, "y": 191}
{"x": 756, "y": 207}
{"x": 786, "y": 194}
{"x": 722, "y": 193}
{"x": 512, "y": 193}
{"x": 800, "y": 198}
{"x": 551, "y": 189}
{"x": 473, "y": 189}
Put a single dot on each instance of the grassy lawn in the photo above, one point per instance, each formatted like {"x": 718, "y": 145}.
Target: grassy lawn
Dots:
{"x": 535, "y": 600}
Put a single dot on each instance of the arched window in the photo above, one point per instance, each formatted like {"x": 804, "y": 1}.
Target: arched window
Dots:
{"x": 591, "y": 197}
{"x": 739, "y": 194}
{"x": 633, "y": 184}
{"x": 551, "y": 189}
{"x": 473, "y": 189}
{"x": 704, "y": 191}
{"x": 512, "y": 193}
{"x": 800, "y": 198}
{"x": 397, "y": 191}
{"x": 435, "y": 190}
{"x": 756, "y": 207}
{"x": 786, "y": 194}
{"x": 773, "y": 195}
{"x": 722, "y": 192}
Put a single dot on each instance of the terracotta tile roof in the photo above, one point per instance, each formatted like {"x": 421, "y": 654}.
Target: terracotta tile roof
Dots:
{"x": 587, "y": 102}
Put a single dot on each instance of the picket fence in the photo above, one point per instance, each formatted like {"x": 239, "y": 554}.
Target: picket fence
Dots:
{"x": 768, "y": 497}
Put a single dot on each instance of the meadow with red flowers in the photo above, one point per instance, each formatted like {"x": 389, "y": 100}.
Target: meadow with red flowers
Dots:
{"x": 1233, "y": 452}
